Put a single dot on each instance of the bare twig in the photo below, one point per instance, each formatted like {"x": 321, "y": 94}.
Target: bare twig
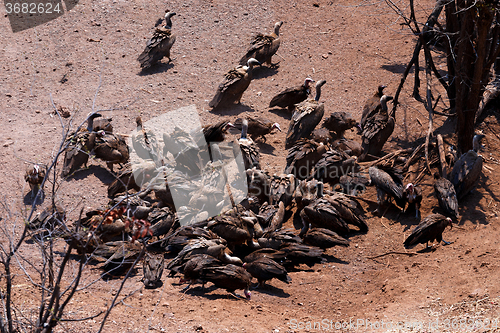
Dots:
{"x": 411, "y": 254}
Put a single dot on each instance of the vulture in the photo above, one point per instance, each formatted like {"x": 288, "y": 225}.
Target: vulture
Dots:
{"x": 263, "y": 47}
{"x": 333, "y": 165}
{"x": 236, "y": 81}
{"x": 249, "y": 150}
{"x": 152, "y": 269}
{"x": 467, "y": 170}
{"x": 162, "y": 220}
{"x": 258, "y": 184}
{"x": 332, "y": 212}
{"x": 257, "y": 127}
{"x": 386, "y": 184}
{"x": 111, "y": 148}
{"x": 291, "y": 96}
{"x": 353, "y": 184}
{"x": 322, "y": 135}
{"x": 277, "y": 238}
{"x": 297, "y": 254}
{"x": 324, "y": 238}
{"x": 120, "y": 255}
{"x": 265, "y": 269}
{"x": 102, "y": 124}
{"x": 413, "y": 196}
{"x": 282, "y": 188}
{"x": 372, "y": 106}
{"x": 431, "y": 228}
{"x": 377, "y": 129}
{"x": 176, "y": 241}
{"x": 229, "y": 277}
{"x": 34, "y": 177}
{"x": 159, "y": 45}
{"x": 78, "y": 148}
{"x": 216, "y": 132}
{"x": 195, "y": 267}
{"x": 350, "y": 147}
{"x": 305, "y": 193}
{"x": 305, "y": 118}
{"x": 339, "y": 122}
{"x": 446, "y": 195}
{"x": 302, "y": 157}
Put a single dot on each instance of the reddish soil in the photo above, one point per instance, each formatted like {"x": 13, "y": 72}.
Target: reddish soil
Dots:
{"x": 355, "y": 46}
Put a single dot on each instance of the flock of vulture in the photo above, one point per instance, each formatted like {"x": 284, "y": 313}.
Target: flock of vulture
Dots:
{"x": 320, "y": 186}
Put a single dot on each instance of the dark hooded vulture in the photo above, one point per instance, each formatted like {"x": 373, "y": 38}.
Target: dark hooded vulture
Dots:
{"x": 263, "y": 47}
{"x": 291, "y": 96}
{"x": 372, "y": 106}
{"x": 413, "y": 197}
{"x": 446, "y": 195}
{"x": 302, "y": 158}
{"x": 265, "y": 269}
{"x": 431, "y": 228}
{"x": 467, "y": 170}
{"x": 34, "y": 177}
{"x": 236, "y": 81}
{"x": 216, "y": 132}
{"x": 305, "y": 118}
{"x": 324, "y": 238}
{"x": 386, "y": 184}
{"x": 339, "y": 122}
{"x": 257, "y": 127}
{"x": 229, "y": 277}
{"x": 159, "y": 45}
{"x": 111, "y": 148}
{"x": 277, "y": 238}
{"x": 333, "y": 212}
{"x": 350, "y": 147}
{"x": 194, "y": 267}
{"x": 377, "y": 130}
{"x": 333, "y": 165}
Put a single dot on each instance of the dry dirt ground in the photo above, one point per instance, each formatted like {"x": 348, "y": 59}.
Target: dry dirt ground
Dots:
{"x": 355, "y": 46}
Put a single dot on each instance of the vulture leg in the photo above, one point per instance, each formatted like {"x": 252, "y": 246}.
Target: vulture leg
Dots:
{"x": 110, "y": 166}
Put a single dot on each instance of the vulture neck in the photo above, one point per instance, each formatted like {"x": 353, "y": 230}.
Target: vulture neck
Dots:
{"x": 383, "y": 104}
{"x": 475, "y": 142}
{"x": 168, "y": 22}
{"x": 216, "y": 154}
{"x": 318, "y": 93}
{"x": 277, "y": 29}
{"x": 244, "y": 129}
{"x": 319, "y": 190}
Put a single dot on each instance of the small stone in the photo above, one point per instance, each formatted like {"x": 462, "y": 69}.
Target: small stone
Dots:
{"x": 300, "y": 304}
{"x": 325, "y": 56}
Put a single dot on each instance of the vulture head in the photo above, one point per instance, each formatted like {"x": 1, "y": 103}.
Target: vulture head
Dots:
{"x": 90, "y": 120}
{"x": 381, "y": 89}
{"x": 319, "y": 84}
{"x": 449, "y": 222}
{"x": 277, "y": 126}
{"x": 252, "y": 62}
{"x": 168, "y": 22}
{"x": 476, "y": 142}
{"x": 277, "y": 27}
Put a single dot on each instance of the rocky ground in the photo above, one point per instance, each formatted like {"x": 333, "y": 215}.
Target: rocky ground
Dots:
{"x": 86, "y": 61}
